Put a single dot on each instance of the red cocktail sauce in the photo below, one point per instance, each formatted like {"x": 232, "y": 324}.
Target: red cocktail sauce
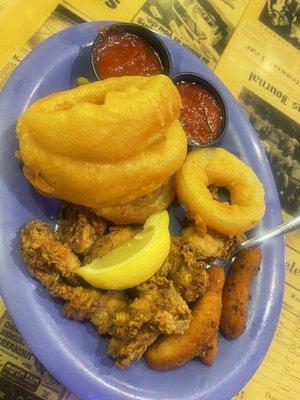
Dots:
{"x": 201, "y": 115}
{"x": 118, "y": 53}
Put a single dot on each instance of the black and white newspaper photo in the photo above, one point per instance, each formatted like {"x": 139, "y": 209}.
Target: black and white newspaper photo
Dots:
{"x": 194, "y": 23}
{"x": 280, "y": 136}
{"x": 283, "y": 18}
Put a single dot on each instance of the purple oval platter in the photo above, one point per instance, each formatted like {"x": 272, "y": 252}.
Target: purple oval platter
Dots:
{"x": 72, "y": 351}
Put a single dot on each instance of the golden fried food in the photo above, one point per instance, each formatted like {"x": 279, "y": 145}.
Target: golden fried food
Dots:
{"x": 158, "y": 308}
{"x": 79, "y": 227}
{"x": 209, "y": 352}
{"x": 207, "y": 166}
{"x": 54, "y": 265}
{"x": 186, "y": 270}
{"x": 105, "y": 121}
{"x": 134, "y": 323}
{"x": 42, "y": 251}
{"x": 115, "y": 149}
{"x": 236, "y": 292}
{"x": 208, "y": 243}
{"x": 137, "y": 211}
{"x": 116, "y": 237}
{"x": 96, "y": 184}
{"x": 171, "y": 351}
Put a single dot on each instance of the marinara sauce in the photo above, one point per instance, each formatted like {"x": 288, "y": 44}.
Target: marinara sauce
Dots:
{"x": 119, "y": 53}
{"x": 201, "y": 115}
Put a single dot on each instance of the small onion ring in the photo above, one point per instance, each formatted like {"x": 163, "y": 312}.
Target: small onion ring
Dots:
{"x": 137, "y": 211}
{"x": 204, "y": 167}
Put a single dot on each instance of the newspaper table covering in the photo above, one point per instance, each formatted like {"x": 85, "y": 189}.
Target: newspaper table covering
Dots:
{"x": 259, "y": 41}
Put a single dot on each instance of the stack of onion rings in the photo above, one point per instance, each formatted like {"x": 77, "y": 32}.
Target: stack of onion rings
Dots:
{"x": 106, "y": 143}
{"x": 104, "y": 121}
{"x": 204, "y": 167}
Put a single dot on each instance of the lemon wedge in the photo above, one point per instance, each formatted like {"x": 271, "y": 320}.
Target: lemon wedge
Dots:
{"x": 135, "y": 261}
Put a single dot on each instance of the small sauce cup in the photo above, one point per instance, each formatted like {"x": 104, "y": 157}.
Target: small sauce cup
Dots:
{"x": 212, "y": 111}
{"x": 148, "y": 37}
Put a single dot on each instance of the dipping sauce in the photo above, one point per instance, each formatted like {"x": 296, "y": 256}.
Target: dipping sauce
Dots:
{"x": 119, "y": 53}
{"x": 201, "y": 115}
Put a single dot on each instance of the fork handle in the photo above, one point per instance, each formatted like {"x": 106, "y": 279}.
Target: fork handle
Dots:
{"x": 281, "y": 229}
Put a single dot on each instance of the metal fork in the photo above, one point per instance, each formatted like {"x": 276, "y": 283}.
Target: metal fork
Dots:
{"x": 281, "y": 229}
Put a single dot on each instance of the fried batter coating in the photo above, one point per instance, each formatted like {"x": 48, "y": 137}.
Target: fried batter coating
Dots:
{"x": 158, "y": 308}
{"x": 116, "y": 237}
{"x": 42, "y": 251}
{"x": 209, "y": 243}
{"x": 237, "y": 290}
{"x": 171, "y": 351}
{"x": 186, "y": 270}
{"x": 209, "y": 352}
{"x": 142, "y": 107}
{"x": 79, "y": 227}
{"x": 128, "y": 350}
{"x": 133, "y": 324}
{"x": 101, "y": 171}
{"x": 111, "y": 303}
{"x": 138, "y": 210}
{"x": 206, "y": 166}
{"x": 53, "y": 264}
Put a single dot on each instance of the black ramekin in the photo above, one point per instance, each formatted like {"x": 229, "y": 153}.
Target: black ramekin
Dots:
{"x": 204, "y": 82}
{"x": 155, "y": 42}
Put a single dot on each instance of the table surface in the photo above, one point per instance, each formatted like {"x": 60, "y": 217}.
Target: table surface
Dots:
{"x": 261, "y": 40}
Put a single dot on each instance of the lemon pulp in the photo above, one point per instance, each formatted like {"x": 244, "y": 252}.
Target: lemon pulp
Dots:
{"x": 135, "y": 261}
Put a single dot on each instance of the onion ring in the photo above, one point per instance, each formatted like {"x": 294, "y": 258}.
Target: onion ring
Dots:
{"x": 100, "y": 184}
{"x": 104, "y": 121}
{"x": 204, "y": 167}
{"x": 137, "y": 211}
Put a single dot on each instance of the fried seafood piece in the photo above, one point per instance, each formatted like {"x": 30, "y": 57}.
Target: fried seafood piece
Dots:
{"x": 83, "y": 302}
{"x": 126, "y": 351}
{"x": 42, "y": 251}
{"x": 209, "y": 352}
{"x": 79, "y": 227}
{"x": 185, "y": 269}
{"x": 236, "y": 292}
{"x": 171, "y": 351}
{"x": 158, "y": 308}
{"x": 104, "y": 313}
{"x": 134, "y": 324}
{"x": 209, "y": 243}
{"x": 116, "y": 237}
{"x": 53, "y": 264}
{"x": 86, "y": 303}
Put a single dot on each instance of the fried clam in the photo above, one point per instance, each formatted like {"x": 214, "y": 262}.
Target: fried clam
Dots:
{"x": 79, "y": 227}
{"x": 209, "y": 243}
{"x": 96, "y": 184}
{"x": 104, "y": 121}
{"x": 133, "y": 322}
{"x": 204, "y": 167}
{"x": 137, "y": 211}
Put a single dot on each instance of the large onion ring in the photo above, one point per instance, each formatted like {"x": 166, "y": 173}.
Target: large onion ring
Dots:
{"x": 104, "y": 121}
{"x": 217, "y": 166}
{"x": 99, "y": 184}
{"x": 137, "y": 211}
